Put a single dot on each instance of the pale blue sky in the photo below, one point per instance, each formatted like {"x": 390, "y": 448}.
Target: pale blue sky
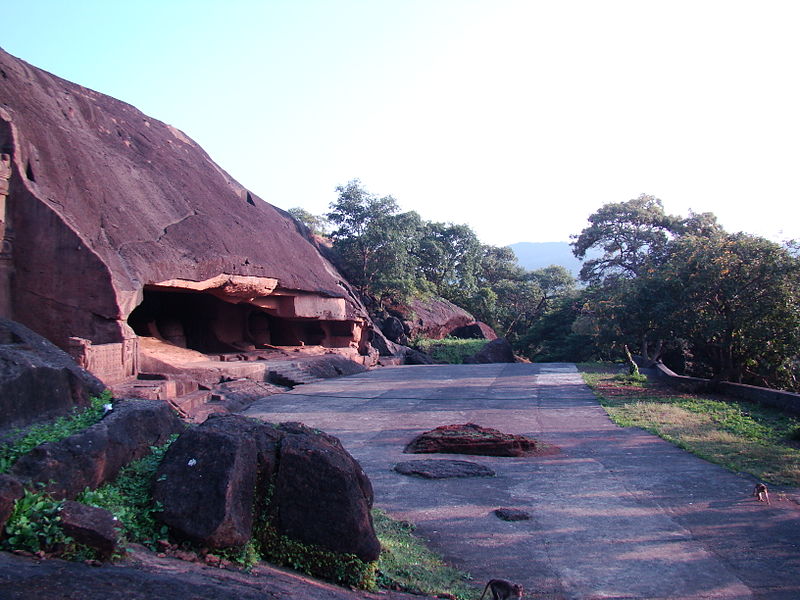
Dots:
{"x": 519, "y": 118}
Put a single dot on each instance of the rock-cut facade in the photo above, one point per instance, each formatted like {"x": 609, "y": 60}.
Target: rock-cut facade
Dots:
{"x": 116, "y": 227}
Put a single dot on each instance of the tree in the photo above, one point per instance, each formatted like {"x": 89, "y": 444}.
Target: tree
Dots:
{"x": 736, "y": 299}
{"x": 629, "y": 233}
{"x": 315, "y": 223}
{"x": 521, "y": 302}
{"x": 374, "y": 241}
{"x": 448, "y": 257}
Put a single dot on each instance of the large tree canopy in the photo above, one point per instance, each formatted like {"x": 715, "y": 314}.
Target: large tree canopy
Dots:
{"x": 373, "y": 240}
{"x": 629, "y": 234}
{"x": 729, "y": 302}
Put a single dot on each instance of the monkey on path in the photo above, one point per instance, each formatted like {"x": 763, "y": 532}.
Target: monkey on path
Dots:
{"x": 761, "y": 493}
{"x": 502, "y": 589}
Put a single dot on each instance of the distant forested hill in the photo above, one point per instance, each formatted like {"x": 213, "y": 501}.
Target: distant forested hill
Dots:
{"x": 537, "y": 255}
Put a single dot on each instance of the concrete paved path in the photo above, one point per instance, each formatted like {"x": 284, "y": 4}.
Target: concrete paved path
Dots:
{"x": 618, "y": 513}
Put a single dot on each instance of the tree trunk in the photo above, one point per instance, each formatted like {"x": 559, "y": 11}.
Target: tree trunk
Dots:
{"x": 633, "y": 368}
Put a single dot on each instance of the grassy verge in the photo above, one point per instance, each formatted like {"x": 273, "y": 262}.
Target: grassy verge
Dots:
{"x": 449, "y": 350}
{"x": 407, "y": 564}
{"x": 738, "y": 435}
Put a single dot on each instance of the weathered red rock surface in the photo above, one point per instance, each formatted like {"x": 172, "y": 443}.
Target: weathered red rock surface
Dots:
{"x": 104, "y": 201}
{"x": 471, "y": 439}
{"x": 37, "y": 379}
{"x": 432, "y": 318}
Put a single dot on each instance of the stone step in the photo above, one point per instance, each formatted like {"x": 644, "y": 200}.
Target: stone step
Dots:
{"x": 189, "y": 403}
{"x": 290, "y": 375}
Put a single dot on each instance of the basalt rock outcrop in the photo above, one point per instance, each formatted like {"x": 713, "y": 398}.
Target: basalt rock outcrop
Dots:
{"x": 115, "y": 225}
{"x": 220, "y": 477}
{"x": 37, "y": 379}
{"x": 471, "y": 439}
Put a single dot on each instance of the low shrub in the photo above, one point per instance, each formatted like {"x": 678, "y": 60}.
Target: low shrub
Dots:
{"x": 449, "y": 350}
{"x": 129, "y": 499}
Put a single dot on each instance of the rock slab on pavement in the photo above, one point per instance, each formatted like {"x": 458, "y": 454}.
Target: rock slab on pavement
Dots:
{"x": 443, "y": 469}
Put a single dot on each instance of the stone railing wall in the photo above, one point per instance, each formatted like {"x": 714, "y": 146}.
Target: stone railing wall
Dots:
{"x": 786, "y": 401}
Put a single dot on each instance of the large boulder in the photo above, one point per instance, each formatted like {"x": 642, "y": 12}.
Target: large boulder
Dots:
{"x": 218, "y": 477}
{"x": 471, "y": 439}
{"x": 496, "y": 351}
{"x": 433, "y": 317}
{"x": 208, "y": 480}
{"x": 393, "y": 329}
{"x": 37, "y": 379}
{"x": 96, "y": 454}
{"x": 112, "y": 209}
{"x": 474, "y": 331}
{"x": 322, "y": 495}
{"x": 90, "y": 526}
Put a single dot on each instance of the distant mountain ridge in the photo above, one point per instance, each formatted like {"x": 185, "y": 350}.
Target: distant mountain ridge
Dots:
{"x": 537, "y": 255}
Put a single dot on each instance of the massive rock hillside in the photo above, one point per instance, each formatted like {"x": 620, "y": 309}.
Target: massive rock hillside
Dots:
{"x": 116, "y": 225}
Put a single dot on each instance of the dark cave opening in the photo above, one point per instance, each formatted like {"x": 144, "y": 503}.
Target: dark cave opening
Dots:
{"x": 205, "y": 323}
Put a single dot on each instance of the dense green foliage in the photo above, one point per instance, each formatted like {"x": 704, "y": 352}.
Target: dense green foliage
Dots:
{"x": 451, "y": 351}
{"x": 390, "y": 256}
{"x": 711, "y": 303}
{"x": 34, "y": 524}
{"x": 129, "y": 499}
{"x": 53, "y": 431}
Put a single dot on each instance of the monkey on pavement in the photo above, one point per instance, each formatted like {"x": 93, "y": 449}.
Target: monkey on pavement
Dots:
{"x": 761, "y": 493}
{"x": 502, "y": 589}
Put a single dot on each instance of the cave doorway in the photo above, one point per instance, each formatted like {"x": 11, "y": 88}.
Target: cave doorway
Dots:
{"x": 205, "y": 323}
{"x": 186, "y": 319}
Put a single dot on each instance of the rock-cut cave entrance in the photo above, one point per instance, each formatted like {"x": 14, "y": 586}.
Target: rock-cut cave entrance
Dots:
{"x": 205, "y": 323}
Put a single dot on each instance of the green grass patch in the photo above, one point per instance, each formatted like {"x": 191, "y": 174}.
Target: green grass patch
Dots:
{"x": 449, "y": 350}
{"x": 407, "y": 564}
{"x": 741, "y": 436}
{"x": 54, "y": 431}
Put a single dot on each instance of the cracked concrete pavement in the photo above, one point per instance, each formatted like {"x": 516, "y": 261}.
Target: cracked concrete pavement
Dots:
{"x": 617, "y": 513}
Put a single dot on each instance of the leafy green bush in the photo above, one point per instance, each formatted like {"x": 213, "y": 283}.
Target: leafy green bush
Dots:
{"x": 57, "y": 430}
{"x": 34, "y": 524}
{"x": 129, "y": 499}
{"x": 344, "y": 569}
{"x": 449, "y": 350}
